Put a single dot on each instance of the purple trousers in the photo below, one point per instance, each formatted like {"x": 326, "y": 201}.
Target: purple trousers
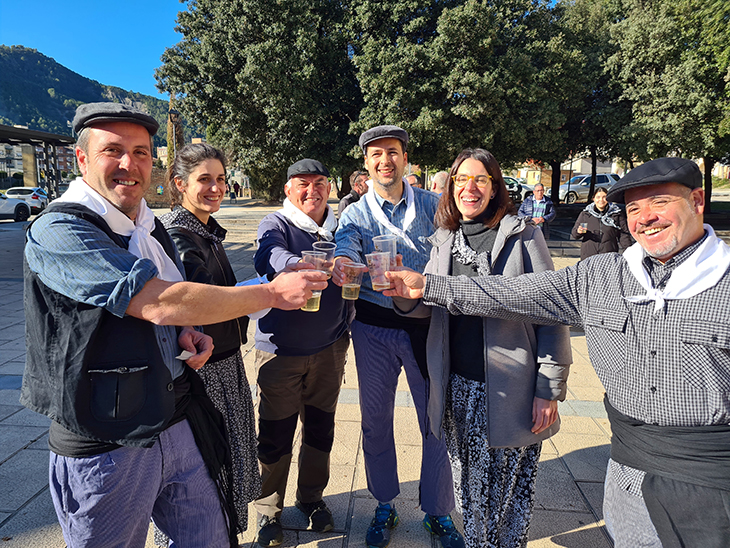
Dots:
{"x": 107, "y": 500}
{"x": 380, "y": 353}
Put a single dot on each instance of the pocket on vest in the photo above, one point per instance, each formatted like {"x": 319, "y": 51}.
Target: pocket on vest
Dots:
{"x": 119, "y": 393}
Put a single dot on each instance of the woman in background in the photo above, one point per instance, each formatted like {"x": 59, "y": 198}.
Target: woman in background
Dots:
{"x": 601, "y": 227}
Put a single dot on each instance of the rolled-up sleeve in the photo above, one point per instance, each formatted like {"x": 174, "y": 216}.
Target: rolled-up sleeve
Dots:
{"x": 78, "y": 260}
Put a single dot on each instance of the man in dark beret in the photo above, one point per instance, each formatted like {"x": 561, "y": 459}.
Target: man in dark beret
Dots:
{"x": 657, "y": 324}
{"x": 111, "y": 348}
{"x": 386, "y": 343}
{"x": 300, "y": 358}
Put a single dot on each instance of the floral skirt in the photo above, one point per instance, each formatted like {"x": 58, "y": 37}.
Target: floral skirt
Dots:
{"x": 494, "y": 487}
{"x": 227, "y": 387}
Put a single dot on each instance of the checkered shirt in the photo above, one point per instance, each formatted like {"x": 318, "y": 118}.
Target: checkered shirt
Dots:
{"x": 670, "y": 368}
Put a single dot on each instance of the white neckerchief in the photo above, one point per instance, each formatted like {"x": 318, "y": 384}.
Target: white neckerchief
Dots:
{"x": 141, "y": 243}
{"x": 304, "y": 222}
{"x": 379, "y": 215}
{"x": 701, "y": 271}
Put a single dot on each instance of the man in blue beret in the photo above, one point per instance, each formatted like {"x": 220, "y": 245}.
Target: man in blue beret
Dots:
{"x": 111, "y": 348}
{"x": 657, "y": 324}
{"x": 300, "y": 358}
{"x": 385, "y": 342}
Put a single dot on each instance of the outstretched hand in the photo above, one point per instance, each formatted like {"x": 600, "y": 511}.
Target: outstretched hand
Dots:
{"x": 406, "y": 283}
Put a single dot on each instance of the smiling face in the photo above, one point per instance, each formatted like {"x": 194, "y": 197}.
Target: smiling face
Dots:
{"x": 386, "y": 162}
{"x": 471, "y": 200}
{"x": 118, "y": 164}
{"x": 538, "y": 191}
{"x": 309, "y": 193}
{"x": 665, "y": 218}
{"x": 204, "y": 190}
{"x": 600, "y": 200}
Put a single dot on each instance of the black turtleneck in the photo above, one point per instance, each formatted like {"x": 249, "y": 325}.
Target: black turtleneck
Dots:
{"x": 466, "y": 342}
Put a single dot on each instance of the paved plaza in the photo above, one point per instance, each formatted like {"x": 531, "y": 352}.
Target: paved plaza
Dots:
{"x": 570, "y": 480}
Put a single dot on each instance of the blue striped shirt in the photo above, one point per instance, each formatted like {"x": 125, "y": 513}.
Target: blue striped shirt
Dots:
{"x": 358, "y": 227}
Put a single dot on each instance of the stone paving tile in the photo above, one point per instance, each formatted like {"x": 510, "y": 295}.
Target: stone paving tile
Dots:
{"x": 586, "y": 456}
{"x": 15, "y": 438}
{"x": 10, "y": 397}
{"x": 12, "y": 368}
{"x": 40, "y": 444}
{"x": 35, "y": 526}
{"x": 579, "y": 425}
{"x": 555, "y": 488}
{"x": 593, "y": 492}
{"x": 567, "y": 529}
{"x": 20, "y": 480}
{"x": 10, "y": 382}
{"x": 408, "y": 534}
{"x": 26, "y": 417}
{"x": 7, "y": 410}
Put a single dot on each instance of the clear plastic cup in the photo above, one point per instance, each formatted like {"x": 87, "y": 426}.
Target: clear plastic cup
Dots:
{"x": 317, "y": 258}
{"x": 312, "y": 304}
{"x": 328, "y": 248}
{"x": 389, "y": 243}
{"x": 378, "y": 265}
{"x": 352, "y": 280}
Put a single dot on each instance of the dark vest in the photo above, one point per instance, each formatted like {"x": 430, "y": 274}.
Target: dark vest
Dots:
{"x": 97, "y": 375}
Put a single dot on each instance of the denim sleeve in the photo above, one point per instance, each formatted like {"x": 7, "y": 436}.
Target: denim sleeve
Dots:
{"x": 78, "y": 260}
{"x": 348, "y": 236}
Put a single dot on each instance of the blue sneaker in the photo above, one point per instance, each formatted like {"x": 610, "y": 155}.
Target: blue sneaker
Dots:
{"x": 378, "y": 535}
{"x": 443, "y": 527}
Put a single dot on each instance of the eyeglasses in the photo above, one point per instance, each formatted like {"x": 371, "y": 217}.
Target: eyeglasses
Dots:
{"x": 480, "y": 180}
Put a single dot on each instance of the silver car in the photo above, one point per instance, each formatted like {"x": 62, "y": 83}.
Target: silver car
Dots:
{"x": 576, "y": 190}
{"x": 35, "y": 196}
{"x": 11, "y": 208}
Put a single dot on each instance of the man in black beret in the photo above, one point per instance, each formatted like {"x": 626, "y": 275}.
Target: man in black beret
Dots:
{"x": 657, "y": 325}
{"x": 300, "y": 357}
{"x": 386, "y": 343}
{"x": 111, "y": 348}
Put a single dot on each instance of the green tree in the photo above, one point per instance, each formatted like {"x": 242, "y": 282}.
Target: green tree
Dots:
{"x": 271, "y": 81}
{"x": 677, "y": 86}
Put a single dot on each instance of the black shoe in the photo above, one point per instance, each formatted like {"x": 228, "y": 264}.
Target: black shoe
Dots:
{"x": 443, "y": 527}
{"x": 270, "y": 533}
{"x": 378, "y": 534}
{"x": 320, "y": 517}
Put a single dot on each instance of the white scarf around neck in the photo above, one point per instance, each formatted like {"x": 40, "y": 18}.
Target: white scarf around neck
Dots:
{"x": 304, "y": 222}
{"x": 379, "y": 215}
{"x": 701, "y": 271}
{"x": 141, "y": 243}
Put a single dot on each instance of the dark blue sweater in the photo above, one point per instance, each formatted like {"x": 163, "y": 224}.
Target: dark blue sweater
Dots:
{"x": 295, "y": 332}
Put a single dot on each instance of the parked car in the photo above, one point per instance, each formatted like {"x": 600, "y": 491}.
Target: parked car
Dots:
{"x": 36, "y": 197}
{"x": 514, "y": 188}
{"x": 527, "y": 190}
{"x": 576, "y": 190}
{"x": 12, "y": 208}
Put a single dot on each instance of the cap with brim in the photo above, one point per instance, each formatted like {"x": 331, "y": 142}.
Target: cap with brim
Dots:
{"x": 91, "y": 114}
{"x": 662, "y": 170}
{"x": 306, "y": 167}
{"x": 383, "y": 132}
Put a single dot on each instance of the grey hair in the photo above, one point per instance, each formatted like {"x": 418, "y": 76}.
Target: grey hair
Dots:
{"x": 440, "y": 179}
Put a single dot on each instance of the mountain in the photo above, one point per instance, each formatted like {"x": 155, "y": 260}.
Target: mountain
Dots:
{"x": 38, "y": 92}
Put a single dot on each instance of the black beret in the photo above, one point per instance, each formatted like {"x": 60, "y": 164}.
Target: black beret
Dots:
{"x": 662, "y": 170}
{"x": 306, "y": 167}
{"x": 381, "y": 132}
{"x": 96, "y": 113}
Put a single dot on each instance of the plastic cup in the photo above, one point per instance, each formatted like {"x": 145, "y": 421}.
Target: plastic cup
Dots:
{"x": 389, "y": 243}
{"x": 328, "y": 248}
{"x": 378, "y": 265}
{"x": 352, "y": 280}
{"x": 312, "y": 304}
{"x": 317, "y": 258}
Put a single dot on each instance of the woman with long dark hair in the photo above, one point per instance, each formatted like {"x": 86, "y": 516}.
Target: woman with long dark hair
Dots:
{"x": 197, "y": 185}
{"x": 494, "y": 384}
{"x": 601, "y": 227}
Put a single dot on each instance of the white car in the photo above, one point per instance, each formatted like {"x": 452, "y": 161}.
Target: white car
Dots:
{"x": 35, "y": 196}
{"x": 11, "y": 208}
{"x": 576, "y": 190}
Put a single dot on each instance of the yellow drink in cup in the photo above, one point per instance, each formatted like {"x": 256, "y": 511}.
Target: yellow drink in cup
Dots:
{"x": 353, "y": 279}
{"x": 350, "y": 292}
{"x": 313, "y": 302}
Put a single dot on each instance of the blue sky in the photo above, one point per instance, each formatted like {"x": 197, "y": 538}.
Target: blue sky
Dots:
{"x": 114, "y": 43}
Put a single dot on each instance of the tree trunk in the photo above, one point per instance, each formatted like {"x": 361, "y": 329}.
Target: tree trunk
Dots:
{"x": 594, "y": 168}
{"x": 709, "y": 164}
{"x": 555, "y": 183}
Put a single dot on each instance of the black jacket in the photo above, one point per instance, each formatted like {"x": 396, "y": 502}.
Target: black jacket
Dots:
{"x": 206, "y": 262}
{"x": 600, "y": 237}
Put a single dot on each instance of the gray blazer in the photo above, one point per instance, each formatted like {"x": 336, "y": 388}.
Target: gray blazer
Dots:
{"x": 522, "y": 360}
